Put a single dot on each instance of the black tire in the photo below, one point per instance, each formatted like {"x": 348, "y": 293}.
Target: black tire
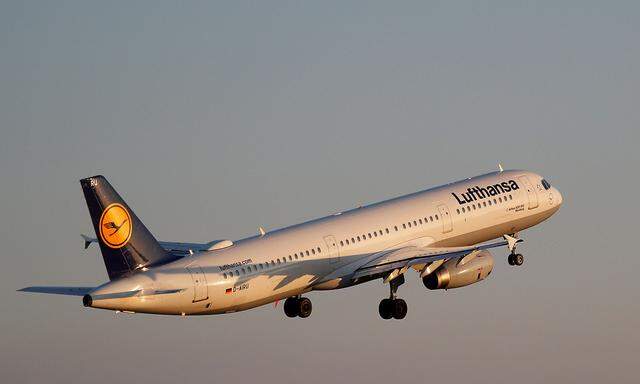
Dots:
{"x": 399, "y": 309}
{"x": 386, "y": 309}
{"x": 510, "y": 259}
{"x": 304, "y": 307}
{"x": 518, "y": 259}
{"x": 291, "y": 307}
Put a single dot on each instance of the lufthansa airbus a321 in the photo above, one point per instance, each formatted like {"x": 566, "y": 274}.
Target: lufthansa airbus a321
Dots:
{"x": 443, "y": 234}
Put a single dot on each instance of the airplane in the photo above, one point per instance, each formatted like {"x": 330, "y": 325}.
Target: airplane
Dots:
{"x": 444, "y": 234}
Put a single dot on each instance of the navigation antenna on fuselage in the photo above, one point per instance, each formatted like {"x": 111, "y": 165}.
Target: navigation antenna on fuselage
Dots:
{"x": 500, "y": 167}
{"x": 261, "y": 231}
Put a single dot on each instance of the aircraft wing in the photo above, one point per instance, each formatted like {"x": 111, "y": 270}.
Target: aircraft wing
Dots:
{"x": 69, "y": 291}
{"x": 403, "y": 258}
{"x": 170, "y": 246}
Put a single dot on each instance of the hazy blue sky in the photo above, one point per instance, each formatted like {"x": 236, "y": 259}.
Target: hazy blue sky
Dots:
{"x": 212, "y": 119}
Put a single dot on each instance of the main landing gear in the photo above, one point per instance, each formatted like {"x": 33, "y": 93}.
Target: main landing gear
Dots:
{"x": 393, "y": 307}
{"x": 297, "y": 306}
{"x": 514, "y": 258}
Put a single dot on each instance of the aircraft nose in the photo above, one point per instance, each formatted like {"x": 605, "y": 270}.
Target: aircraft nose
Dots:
{"x": 558, "y": 196}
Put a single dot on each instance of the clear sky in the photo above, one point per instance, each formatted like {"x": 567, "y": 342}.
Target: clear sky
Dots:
{"x": 214, "y": 118}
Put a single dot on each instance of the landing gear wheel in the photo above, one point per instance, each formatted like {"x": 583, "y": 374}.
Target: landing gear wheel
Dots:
{"x": 510, "y": 259}
{"x": 399, "y": 309}
{"x": 518, "y": 259}
{"x": 291, "y": 306}
{"x": 304, "y": 307}
{"x": 386, "y": 308}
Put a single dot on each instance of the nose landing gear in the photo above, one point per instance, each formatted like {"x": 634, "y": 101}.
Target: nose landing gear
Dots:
{"x": 393, "y": 307}
{"x": 514, "y": 258}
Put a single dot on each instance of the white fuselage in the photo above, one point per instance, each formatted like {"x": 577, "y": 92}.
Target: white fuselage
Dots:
{"x": 324, "y": 253}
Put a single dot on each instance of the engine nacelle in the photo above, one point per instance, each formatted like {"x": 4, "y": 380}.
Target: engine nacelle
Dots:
{"x": 451, "y": 275}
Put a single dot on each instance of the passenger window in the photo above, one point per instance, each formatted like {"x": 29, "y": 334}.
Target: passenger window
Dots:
{"x": 369, "y": 235}
{"x": 237, "y": 272}
{"x": 307, "y": 253}
{"x": 319, "y": 250}
{"x": 387, "y": 230}
{"x": 353, "y": 240}
{"x": 457, "y": 209}
{"x": 358, "y": 238}
{"x": 404, "y": 226}
{"x": 436, "y": 216}
{"x": 420, "y": 221}
{"x": 396, "y": 228}
{"x": 409, "y": 224}
{"x": 489, "y": 202}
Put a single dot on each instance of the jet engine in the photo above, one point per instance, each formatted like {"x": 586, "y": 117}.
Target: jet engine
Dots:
{"x": 455, "y": 273}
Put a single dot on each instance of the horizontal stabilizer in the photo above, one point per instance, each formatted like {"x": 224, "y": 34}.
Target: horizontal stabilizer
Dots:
{"x": 69, "y": 291}
{"x": 170, "y": 246}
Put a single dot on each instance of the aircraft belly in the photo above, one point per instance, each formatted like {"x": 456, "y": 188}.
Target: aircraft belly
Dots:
{"x": 263, "y": 289}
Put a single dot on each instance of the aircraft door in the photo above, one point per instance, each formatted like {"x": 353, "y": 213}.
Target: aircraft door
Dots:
{"x": 447, "y": 224}
{"x": 531, "y": 192}
{"x": 332, "y": 247}
{"x": 200, "y": 290}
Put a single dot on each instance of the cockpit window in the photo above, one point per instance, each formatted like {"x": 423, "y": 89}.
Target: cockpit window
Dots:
{"x": 546, "y": 184}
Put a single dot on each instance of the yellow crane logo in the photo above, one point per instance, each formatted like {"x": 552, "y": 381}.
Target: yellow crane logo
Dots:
{"x": 115, "y": 226}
